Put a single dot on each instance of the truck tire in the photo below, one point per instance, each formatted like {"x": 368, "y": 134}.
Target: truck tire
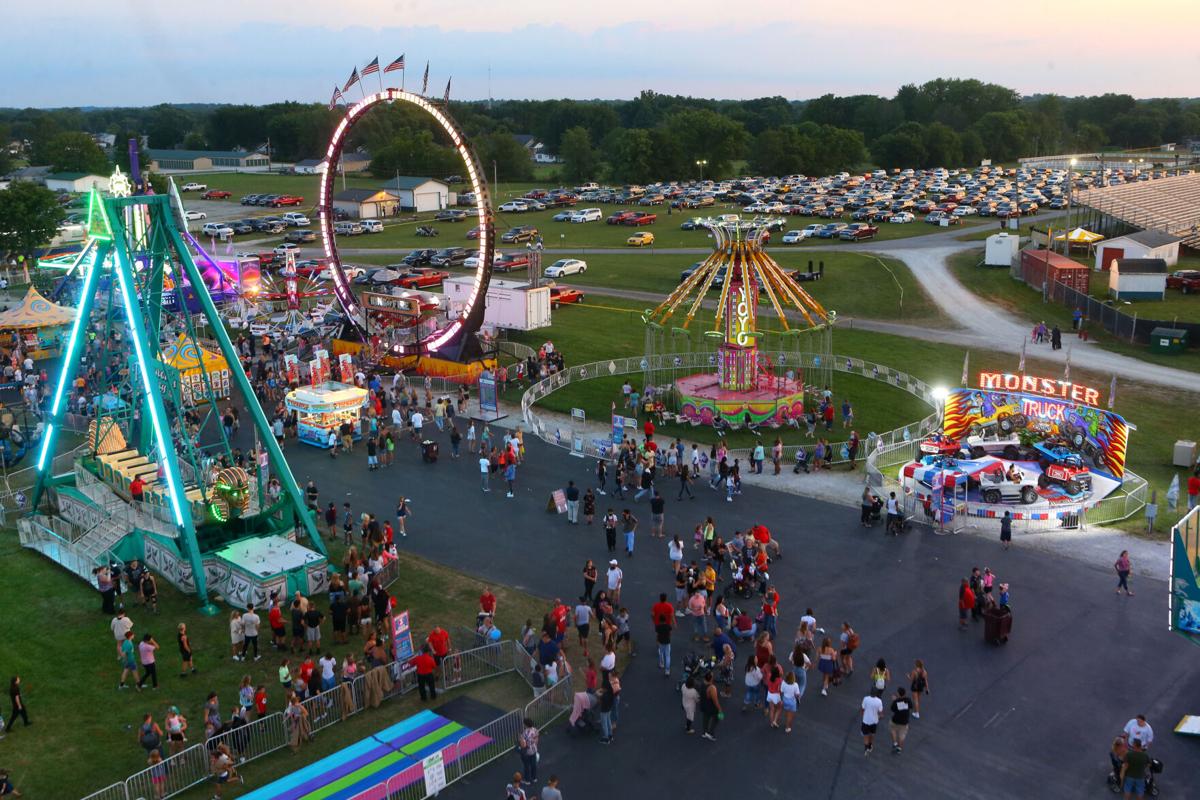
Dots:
{"x": 1028, "y": 495}
{"x": 978, "y": 452}
{"x": 1005, "y": 424}
{"x": 1043, "y": 481}
{"x": 991, "y": 496}
{"x": 1073, "y": 487}
{"x": 1012, "y": 452}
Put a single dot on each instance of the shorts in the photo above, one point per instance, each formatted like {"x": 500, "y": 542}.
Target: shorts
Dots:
{"x": 312, "y": 635}
{"x": 279, "y": 632}
{"x": 774, "y": 698}
{"x": 584, "y": 630}
{"x": 789, "y": 704}
{"x": 176, "y": 737}
{"x": 846, "y": 651}
{"x": 657, "y": 518}
{"x": 298, "y": 631}
{"x": 129, "y": 664}
{"x": 962, "y": 613}
{"x": 623, "y": 637}
{"x": 223, "y": 777}
{"x": 868, "y": 730}
{"x": 1135, "y": 786}
{"x": 899, "y": 732}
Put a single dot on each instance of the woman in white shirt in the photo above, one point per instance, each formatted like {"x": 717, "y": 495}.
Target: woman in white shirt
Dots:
{"x": 675, "y": 553}
{"x": 753, "y": 684}
{"x": 790, "y": 691}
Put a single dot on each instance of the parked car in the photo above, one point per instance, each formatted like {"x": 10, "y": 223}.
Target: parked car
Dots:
{"x": 241, "y": 226}
{"x": 282, "y": 250}
{"x": 217, "y": 230}
{"x": 858, "y": 231}
{"x": 300, "y": 235}
{"x": 450, "y": 215}
{"x": 1185, "y": 280}
{"x": 619, "y": 217}
{"x": 640, "y": 239}
{"x": 586, "y": 215}
{"x": 902, "y": 217}
{"x": 216, "y": 194}
{"x": 347, "y": 228}
{"x": 561, "y": 296}
{"x": 514, "y": 207}
{"x": 564, "y": 267}
{"x": 639, "y": 219}
{"x": 423, "y": 277}
{"x": 521, "y": 233}
{"x": 449, "y": 257}
{"x": 192, "y": 216}
{"x": 419, "y": 257}
{"x": 286, "y": 200}
{"x": 295, "y": 219}
{"x": 793, "y": 237}
{"x": 831, "y": 230}
{"x": 473, "y": 233}
{"x": 563, "y": 216}
{"x": 192, "y": 186}
{"x": 268, "y": 225}
{"x": 371, "y": 225}
{"x": 250, "y": 199}
{"x": 718, "y": 279}
{"x": 507, "y": 262}
{"x": 694, "y": 224}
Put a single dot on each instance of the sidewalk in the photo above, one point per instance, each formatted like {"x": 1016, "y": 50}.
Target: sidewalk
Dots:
{"x": 1097, "y": 547}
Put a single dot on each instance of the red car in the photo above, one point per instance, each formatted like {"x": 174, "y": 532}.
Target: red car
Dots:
{"x": 619, "y": 217}
{"x": 510, "y": 261}
{"x": 1185, "y": 280}
{"x": 215, "y": 194}
{"x": 421, "y": 277}
{"x": 939, "y": 445}
{"x": 640, "y": 219}
{"x": 561, "y": 295}
{"x": 287, "y": 200}
{"x": 473, "y": 233}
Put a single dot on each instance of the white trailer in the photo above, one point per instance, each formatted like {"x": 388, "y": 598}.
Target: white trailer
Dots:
{"x": 1001, "y": 249}
{"x": 510, "y": 304}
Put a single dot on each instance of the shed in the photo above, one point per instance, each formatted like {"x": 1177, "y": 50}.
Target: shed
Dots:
{"x": 421, "y": 194}
{"x": 1138, "y": 279}
{"x": 76, "y": 182}
{"x": 1143, "y": 244}
{"x": 1045, "y": 268}
{"x": 367, "y": 203}
{"x": 1168, "y": 340}
{"x": 1001, "y": 249}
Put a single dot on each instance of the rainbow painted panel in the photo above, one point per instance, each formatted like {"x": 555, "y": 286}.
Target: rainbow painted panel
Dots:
{"x": 391, "y": 757}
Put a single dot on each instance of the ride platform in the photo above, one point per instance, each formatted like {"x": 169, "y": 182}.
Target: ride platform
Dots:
{"x": 702, "y": 400}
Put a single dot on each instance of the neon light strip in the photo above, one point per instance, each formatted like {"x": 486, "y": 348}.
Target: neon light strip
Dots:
{"x": 46, "y": 437}
{"x": 77, "y": 330}
{"x": 144, "y": 370}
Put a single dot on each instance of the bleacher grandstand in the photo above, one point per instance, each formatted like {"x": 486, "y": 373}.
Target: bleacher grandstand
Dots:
{"x": 1168, "y": 205}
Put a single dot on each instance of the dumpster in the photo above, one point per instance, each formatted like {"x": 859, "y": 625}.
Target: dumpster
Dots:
{"x": 1168, "y": 340}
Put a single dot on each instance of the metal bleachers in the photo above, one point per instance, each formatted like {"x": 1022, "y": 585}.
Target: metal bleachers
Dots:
{"x": 1169, "y": 205}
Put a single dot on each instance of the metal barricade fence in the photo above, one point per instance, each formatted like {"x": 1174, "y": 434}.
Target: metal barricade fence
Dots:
{"x": 548, "y": 705}
{"x": 173, "y": 775}
{"x": 329, "y": 708}
{"x": 488, "y": 743}
{"x": 404, "y": 678}
{"x": 523, "y": 662}
{"x": 254, "y": 739}
{"x": 115, "y": 792}
{"x": 467, "y": 666}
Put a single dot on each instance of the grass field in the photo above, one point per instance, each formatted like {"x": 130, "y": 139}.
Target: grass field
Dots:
{"x": 1156, "y": 411}
{"x": 998, "y": 287}
{"x": 84, "y": 733}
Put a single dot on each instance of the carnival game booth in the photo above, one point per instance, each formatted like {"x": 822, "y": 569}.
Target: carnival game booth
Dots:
{"x": 1039, "y": 448}
{"x": 323, "y": 408}
{"x": 194, "y": 361}
{"x": 38, "y": 323}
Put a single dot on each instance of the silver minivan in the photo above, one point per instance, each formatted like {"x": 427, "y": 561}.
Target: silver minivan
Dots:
{"x": 587, "y": 215}
{"x": 348, "y": 228}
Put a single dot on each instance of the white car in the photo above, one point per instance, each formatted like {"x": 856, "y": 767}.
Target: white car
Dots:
{"x": 350, "y": 272}
{"x": 218, "y": 230}
{"x": 810, "y": 231}
{"x": 755, "y": 208}
{"x": 348, "y": 228}
{"x": 191, "y": 216}
{"x": 515, "y": 206}
{"x": 902, "y": 217}
{"x": 964, "y": 211}
{"x": 586, "y": 215}
{"x": 371, "y": 225}
{"x": 564, "y": 267}
{"x": 194, "y": 187}
{"x": 295, "y": 219}
{"x": 534, "y": 205}
{"x": 287, "y": 247}
{"x": 791, "y": 237}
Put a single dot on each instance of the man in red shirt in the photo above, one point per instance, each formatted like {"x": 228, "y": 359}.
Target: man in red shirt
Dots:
{"x": 137, "y": 488}
{"x": 275, "y": 619}
{"x": 662, "y": 614}
{"x": 487, "y": 605}
{"x": 425, "y": 664}
{"x": 770, "y": 610}
{"x": 1193, "y": 489}
{"x": 559, "y": 614}
{"x": 439, "y": 643}
{"x": 763, "y": 536}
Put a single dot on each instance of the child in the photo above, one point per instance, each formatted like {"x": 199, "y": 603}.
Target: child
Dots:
{"x": 246, "y": 694}
{"x": 623, "y": 634}
{"x": 285, "y": 675}
{"x": 237, "y": 634}
{"x": 260, "y": 701}
{"x": 347, "y": 523}
{"x": 158, "y": 774}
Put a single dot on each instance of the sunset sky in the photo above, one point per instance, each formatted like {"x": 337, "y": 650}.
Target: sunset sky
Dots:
{"x": 125, "y": 53}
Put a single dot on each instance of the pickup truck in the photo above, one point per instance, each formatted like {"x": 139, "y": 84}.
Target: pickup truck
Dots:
{"x": 286, "y": 200}
{"x": 639, "y": 219}
{"x": 858, "y": 231}
{"x": 215, "y": 194}
{"x": 192, "y": 186}
{"x": 421, "y": 277}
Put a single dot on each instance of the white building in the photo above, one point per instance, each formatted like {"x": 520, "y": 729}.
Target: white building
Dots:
{"x": 421, "y": 194}
{"x": 1137, "y": 279}
{"x": 75, "y": 182}
{"x": 367, "y": 203}
{"x": 1143, "y": 244}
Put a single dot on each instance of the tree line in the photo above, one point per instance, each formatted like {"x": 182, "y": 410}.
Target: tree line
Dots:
{"x": 649, "y": 137}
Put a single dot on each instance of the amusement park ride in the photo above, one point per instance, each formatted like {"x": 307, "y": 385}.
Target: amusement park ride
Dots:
{"x": 145, "y": 286}
{"x": 742, "y": 391}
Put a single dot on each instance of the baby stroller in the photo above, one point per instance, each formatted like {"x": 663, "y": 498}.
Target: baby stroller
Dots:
{"x": 876, "y": 512}
{"x": 696, "y": 667}
{"x": 429, "y": 451}
{"x": 1114, "y": 776}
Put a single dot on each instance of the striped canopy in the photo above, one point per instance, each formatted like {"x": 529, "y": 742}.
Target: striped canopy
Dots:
{"x": 35, "y": 311}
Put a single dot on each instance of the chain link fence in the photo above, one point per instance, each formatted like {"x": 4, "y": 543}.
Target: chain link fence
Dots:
{"x": 1129, "y": 328}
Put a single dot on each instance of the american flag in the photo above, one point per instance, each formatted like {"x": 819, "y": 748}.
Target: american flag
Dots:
{"x": 337, "y": 98}
{"x": 425, "y": 80}
{"x": 446, "y": 96}
{"x": 353, "y": 80}
{"x": 372, "y": 68}
{"x": 395, "y": 65}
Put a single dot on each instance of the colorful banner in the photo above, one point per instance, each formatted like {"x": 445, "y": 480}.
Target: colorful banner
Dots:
{"x": 402, "y": 637}
{"x": 346, "y": 368}
{"x": 618, "y": 428}
{"x": 291, "y": 367}
{"x": 324, "y": 369}
{"x": 1185, "y": 585}
{"x": 314, "y": 371}
{"x": 1100, "y": 436}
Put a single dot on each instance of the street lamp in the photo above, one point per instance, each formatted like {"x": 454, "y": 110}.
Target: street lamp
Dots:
{"x": 1070, "y": 197}
{"x": 701, "y": 163}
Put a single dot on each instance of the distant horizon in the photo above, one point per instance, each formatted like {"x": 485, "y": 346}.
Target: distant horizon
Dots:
{"x": 75, "y": 54}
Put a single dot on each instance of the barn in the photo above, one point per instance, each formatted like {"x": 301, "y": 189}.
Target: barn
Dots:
{"x": 421, "y": 194}
{"x": 367, "y": 203}
{"x": 1143, "y": 244}
{"x": 1137, "y": 279}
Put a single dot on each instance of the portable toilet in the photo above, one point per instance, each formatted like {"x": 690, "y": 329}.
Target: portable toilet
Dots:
{"x": 1168, "y": 340}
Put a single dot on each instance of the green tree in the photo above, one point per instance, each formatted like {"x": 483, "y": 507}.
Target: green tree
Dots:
{"x": 121, "y": 153}
{"x": 414, "y": 152}
{"x": 510, "y": 156}
{"x": 972, "y": 147}
{"x": 29, "y": 218}
{"x": 168, "y": 126}
{"x": 628, "y": 152}
{"x": 76, "y": 152}
{"x": 1005, "y": 134}
{"x": 903, "y": 147}
{"x": 194, "y": 140}
{"x": 700, "y": 134}
{"x": 1089, "y": 136}
{"x": 943, "y": 147}
{"x": 578, "y": 155}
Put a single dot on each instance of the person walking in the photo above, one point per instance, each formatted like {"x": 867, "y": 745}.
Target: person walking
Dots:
{"x": 590, "y": 573}
{"x": 1123, "y": 566}
{"x": 601, "y": 475}
{"x": 690, "y": 699}
{"x": 527, "y": 744}
{"x": 918, "y": 684}
{"x": 662, "y": 614}
{"x": 1134, "y": 767}
{"x": 1006, "y": 530}
{"x": 898, "y": 724}
{"x": 17, "y": 704}
{"x": 551, "y": 791}
{"x": 685, "y": 481}
{"x": 572, "y": 495}
{"x": 146, "y": 650}
{"x": 589, "y": 506}
{"x": 426, "y": 665}
{"x": 658, "y": 507}
{"x": 826, "y": 664}
{"x": 127, "y": 658}
{"x": 966, "y": 602}
{"x": 485, "y": 469}
{"x": 402, "y": 514}
{"x": 872, "y": 708}
{"x": 710, "y": 707}
{"x": 610, "y": 530}
{"x": 607, "y": 700}
{"x": 513, "y": 790}
{"x": 777, "y": 455}
{"x": 790, "y": 692}
{"x": 616, "y": 577}
{"x": 187, "y": 665}
{"x": 629, "y": 525}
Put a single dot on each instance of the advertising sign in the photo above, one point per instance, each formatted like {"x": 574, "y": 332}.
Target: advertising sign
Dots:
{"x": 402, "y": 636}
{"x": 488, "y": 398}
{"x": 618, "y": 428}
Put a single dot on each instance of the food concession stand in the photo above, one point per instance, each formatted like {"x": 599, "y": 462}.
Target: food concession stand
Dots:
{"x": 323, "y": 408}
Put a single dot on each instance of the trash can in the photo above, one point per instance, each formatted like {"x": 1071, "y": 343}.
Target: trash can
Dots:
{"x": 429, "y": 451}
{"x": 1168, "y": 340}
{"x": 997, "y": 624}
{"x": 1184, "y": 455}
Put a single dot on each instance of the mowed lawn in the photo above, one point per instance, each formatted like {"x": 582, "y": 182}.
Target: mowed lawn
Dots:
{"x": 996, "y": 285}
{"x": 84, "y": 732}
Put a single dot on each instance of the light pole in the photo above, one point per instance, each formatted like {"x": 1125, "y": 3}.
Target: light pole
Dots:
{"x": 701, "y": 163}
{"x": 1070, "y": 197}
